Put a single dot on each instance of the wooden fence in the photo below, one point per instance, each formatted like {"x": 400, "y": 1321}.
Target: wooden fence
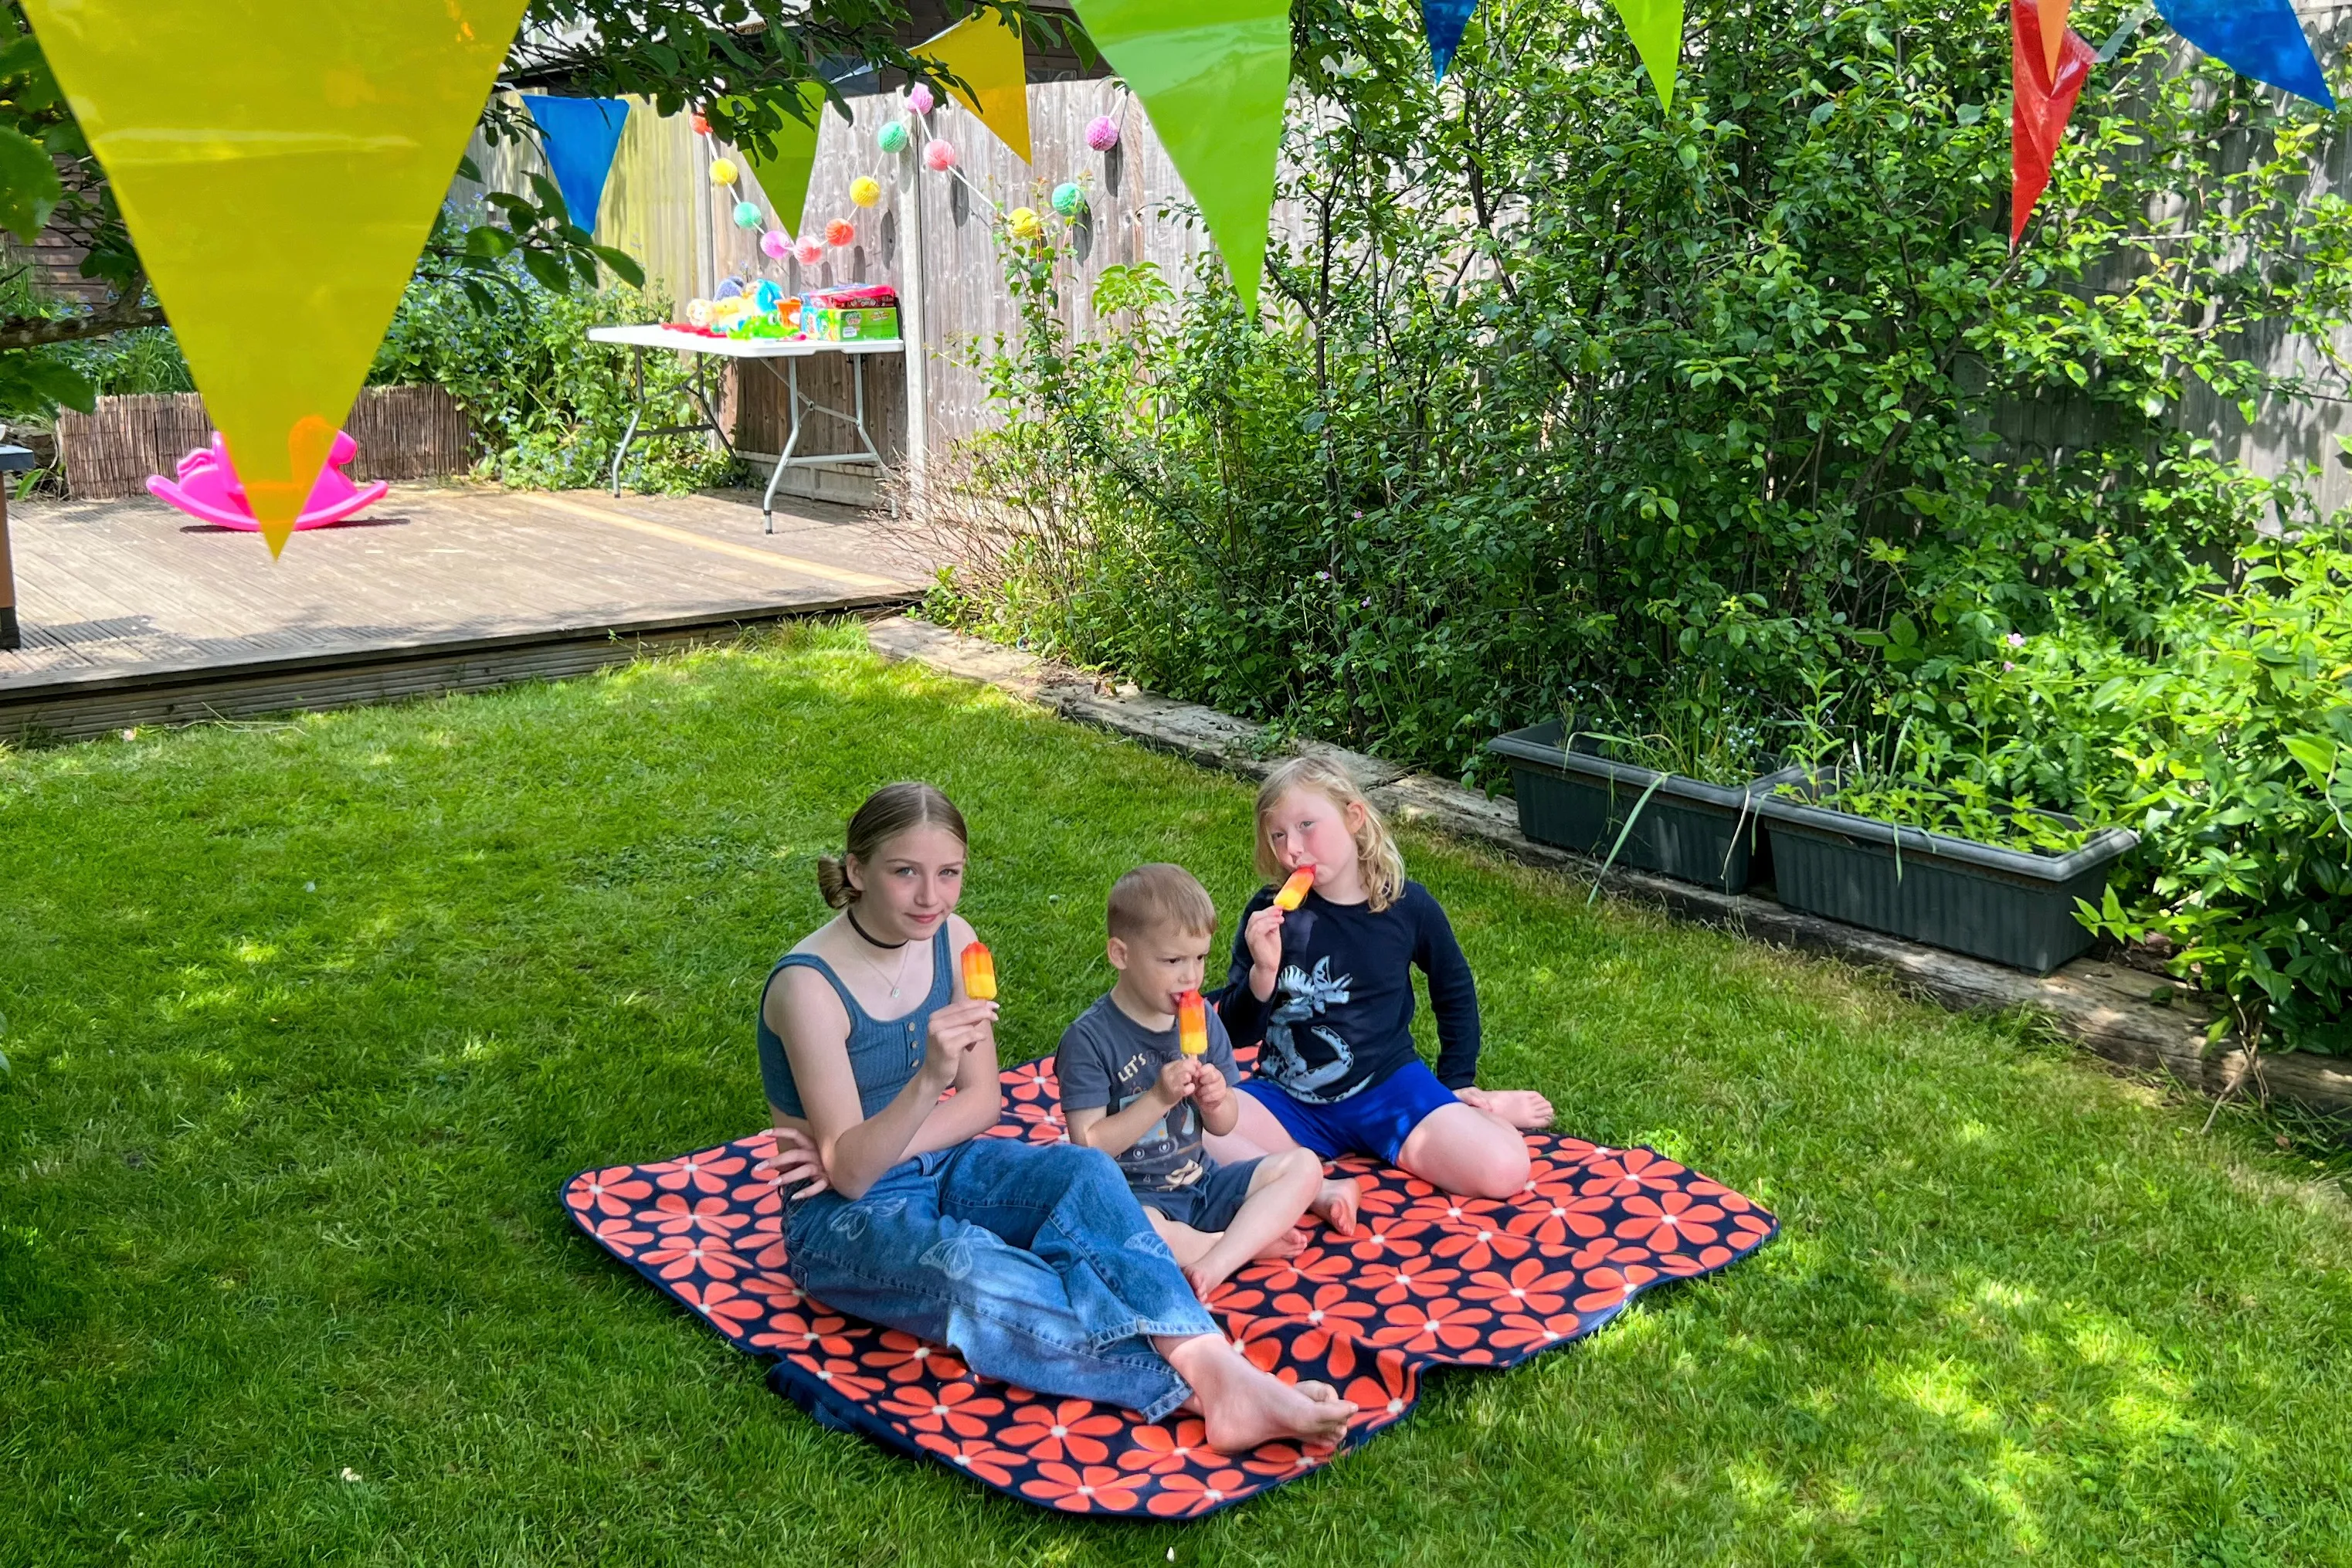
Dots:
{"x": 403, "y": 432}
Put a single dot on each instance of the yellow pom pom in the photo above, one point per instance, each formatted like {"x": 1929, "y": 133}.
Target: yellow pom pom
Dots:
{"x": 722, "y": 172}
{"x": 1025, "y": 222}
{"x": 865, "y": 190}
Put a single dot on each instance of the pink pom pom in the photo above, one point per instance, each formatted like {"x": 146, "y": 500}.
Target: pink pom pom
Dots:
{"x": 840, "y": 232}
{"x": 809, "y": 251}
{"x": 1102, "y": 133}
{"x": 775, "y": 245}
{"x": 938, "y": 157}
{"x": 920, "y": 99}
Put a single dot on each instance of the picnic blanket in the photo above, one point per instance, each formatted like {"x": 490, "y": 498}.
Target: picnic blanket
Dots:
{"x": 1427, "y": 1280}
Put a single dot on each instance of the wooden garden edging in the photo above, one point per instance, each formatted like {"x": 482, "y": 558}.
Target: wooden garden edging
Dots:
{"x": 2136, "y": 1020}
{"x": 402, "y": 433}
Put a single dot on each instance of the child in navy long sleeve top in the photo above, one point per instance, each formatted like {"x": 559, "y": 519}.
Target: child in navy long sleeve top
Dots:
{"x": 1326, "y": 991}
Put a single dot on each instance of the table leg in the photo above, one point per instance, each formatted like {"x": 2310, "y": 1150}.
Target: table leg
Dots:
{"x": 636, "y": 414}
{"x": 791, "y": 440}
{"x": 10, "y": 637}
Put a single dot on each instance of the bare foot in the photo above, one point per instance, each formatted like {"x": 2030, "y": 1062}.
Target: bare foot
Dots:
{"x": 1242, "y": 1407}
{"x": 1336, "y": 1203}
{"x": 1522, "y": 1108}
{"x": 1289, "y": 1244}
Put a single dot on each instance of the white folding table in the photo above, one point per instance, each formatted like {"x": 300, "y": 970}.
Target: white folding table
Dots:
{"x": 768, "y": 351}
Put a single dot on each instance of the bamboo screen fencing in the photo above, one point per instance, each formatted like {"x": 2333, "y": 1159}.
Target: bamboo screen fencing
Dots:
{"x": 403, "y": 432}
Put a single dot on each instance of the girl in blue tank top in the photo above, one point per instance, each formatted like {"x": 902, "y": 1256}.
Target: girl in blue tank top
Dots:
{"x": 1032, "y": 1262}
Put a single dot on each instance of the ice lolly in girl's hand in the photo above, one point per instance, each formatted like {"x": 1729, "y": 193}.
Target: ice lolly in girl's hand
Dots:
{"x": 978, "y": 973}
{"x": 1192, "y": 1024}
{"x": 1294, "y": 892}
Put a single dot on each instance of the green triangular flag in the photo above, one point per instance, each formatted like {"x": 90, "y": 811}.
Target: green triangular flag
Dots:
{"x": 1657, "y": 27}
{"x": 1214, "y": 75}
{"x": 785, "y": 178}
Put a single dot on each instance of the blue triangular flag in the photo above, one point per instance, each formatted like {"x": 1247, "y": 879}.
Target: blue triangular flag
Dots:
{"x": 581, "y": 135}
{"x": 2259, "y": 38}
{"x": 1443, "y": 20}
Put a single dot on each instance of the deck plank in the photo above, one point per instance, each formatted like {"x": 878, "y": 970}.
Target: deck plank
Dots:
{"x": 119, "y": 593}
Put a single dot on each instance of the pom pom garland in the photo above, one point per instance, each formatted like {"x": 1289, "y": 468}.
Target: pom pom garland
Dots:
{"x": 1069, "y": 198}
{"x": 722, "y": 172}
{"x": 775, "y": 245}
{"x": 1102, "y": 133}
{"x": 809, "y": 250}
{"x": 920, "y": 99}
{"x": 1025, "y": 222}
{"x": 892, "y": 138}
{"x": 866, "y": 190}
{"x": 938, "y": 156}
{"x": 747, "y": 214}
{"x": 701, "y": 125}
{"x": 840, "y": 232}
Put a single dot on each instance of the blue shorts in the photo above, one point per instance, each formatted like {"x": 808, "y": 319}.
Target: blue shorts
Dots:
{"x": 1374, "y": 1121}
{"x": 1209, "y": 1204}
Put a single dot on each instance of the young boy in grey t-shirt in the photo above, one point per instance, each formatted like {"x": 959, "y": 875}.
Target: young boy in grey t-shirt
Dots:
{"x": 1128, "y": 1089}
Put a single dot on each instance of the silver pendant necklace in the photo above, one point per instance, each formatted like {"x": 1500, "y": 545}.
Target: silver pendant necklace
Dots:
{"x": 894, "y": 983}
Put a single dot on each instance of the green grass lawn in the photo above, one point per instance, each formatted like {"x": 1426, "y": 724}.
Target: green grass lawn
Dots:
{"x": 308, "y": 1022}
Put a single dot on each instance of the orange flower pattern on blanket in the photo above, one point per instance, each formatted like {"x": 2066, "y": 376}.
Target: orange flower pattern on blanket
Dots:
{"x": 1427, "y": 1280}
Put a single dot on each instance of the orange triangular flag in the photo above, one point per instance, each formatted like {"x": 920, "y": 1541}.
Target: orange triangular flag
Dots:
{"x": 2052, "y": 15}
{"x": 279, "y": 164}
{"x": 985, "y": 52}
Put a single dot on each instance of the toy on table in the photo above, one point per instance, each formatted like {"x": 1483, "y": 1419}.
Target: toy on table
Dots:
{"x": 1294, "y": 892}
{"x": 208, "y": 490}
{"x": 978, "y": 973}
{"x": 1192, "y": 1024}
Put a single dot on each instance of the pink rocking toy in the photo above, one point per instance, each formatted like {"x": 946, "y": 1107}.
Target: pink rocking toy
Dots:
{"x": 208, "y": 489}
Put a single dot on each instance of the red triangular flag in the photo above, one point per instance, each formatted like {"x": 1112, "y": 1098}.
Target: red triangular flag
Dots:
{"x": 2042, "y": 108}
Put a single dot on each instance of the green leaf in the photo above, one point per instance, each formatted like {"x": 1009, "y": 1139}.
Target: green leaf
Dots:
{"x": 624, "y": 266}
{"x": 2316, "y": 752}
{"x": 29, "y": 187}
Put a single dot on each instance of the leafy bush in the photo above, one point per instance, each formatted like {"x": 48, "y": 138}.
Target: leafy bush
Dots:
{"x": 1740, "y": 412}
{"x": 548, "y": 406}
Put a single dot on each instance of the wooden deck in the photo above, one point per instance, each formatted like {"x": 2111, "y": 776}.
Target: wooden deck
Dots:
{"x": 134, "y": 614}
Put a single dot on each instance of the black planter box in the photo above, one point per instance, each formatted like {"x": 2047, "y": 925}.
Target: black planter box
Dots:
{"x": 2011, "y": 906}
{"x": 1580, "y": 799}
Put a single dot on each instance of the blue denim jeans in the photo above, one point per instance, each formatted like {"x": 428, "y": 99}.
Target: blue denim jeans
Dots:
{"x": 1034, "y": 1263}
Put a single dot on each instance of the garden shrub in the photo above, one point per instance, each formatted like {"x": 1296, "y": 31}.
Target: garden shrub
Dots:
{"x": 1731, "y": 420}
{"x": 548, "y": 406}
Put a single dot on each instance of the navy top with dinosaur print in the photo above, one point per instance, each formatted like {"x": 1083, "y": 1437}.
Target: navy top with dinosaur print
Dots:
{"x": 1340, "y": 1018}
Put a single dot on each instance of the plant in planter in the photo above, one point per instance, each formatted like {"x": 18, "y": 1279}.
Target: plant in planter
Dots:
{"x": 1941, "y": 862}
{"x": 1627, "y": 798}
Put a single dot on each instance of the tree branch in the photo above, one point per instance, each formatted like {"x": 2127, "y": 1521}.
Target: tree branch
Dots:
{"x": 38, "y": 332}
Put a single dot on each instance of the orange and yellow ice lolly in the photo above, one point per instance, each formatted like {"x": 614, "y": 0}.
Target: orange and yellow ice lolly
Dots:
{"x": 1192, "y": 1024}
{"x": 1294, "y": 892}
{"x": 978, "y": 973}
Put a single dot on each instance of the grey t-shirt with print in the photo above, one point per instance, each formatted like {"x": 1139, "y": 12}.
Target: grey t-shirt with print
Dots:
{"x": 1107, "y": 1059}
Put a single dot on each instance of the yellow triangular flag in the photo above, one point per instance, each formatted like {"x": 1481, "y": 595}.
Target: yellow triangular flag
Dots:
{"x": 278, "y": 164}
{"x": 985, "y": 51}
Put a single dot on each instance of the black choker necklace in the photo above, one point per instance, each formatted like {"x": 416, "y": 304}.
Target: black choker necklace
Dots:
{"x": 886, "y": 946}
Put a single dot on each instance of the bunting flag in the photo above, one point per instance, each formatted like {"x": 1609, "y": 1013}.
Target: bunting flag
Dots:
{"x": 785, "y": 176}
{"x": 1443, "y": 21}
{"x": 580, "y": 135}
{"x": 1656, "y": 28}
{"x": 1213, "y": 75}
{"x": 2051, "y": 18}
{"x": 984, "y": 51}
{"x": 2259, "y": 38}
{"x": 279, "y": 170}
{"x": 2042, "y": 105}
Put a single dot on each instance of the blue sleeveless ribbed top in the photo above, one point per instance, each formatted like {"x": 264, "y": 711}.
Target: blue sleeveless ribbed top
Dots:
{"x": 883, "y": 1052}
